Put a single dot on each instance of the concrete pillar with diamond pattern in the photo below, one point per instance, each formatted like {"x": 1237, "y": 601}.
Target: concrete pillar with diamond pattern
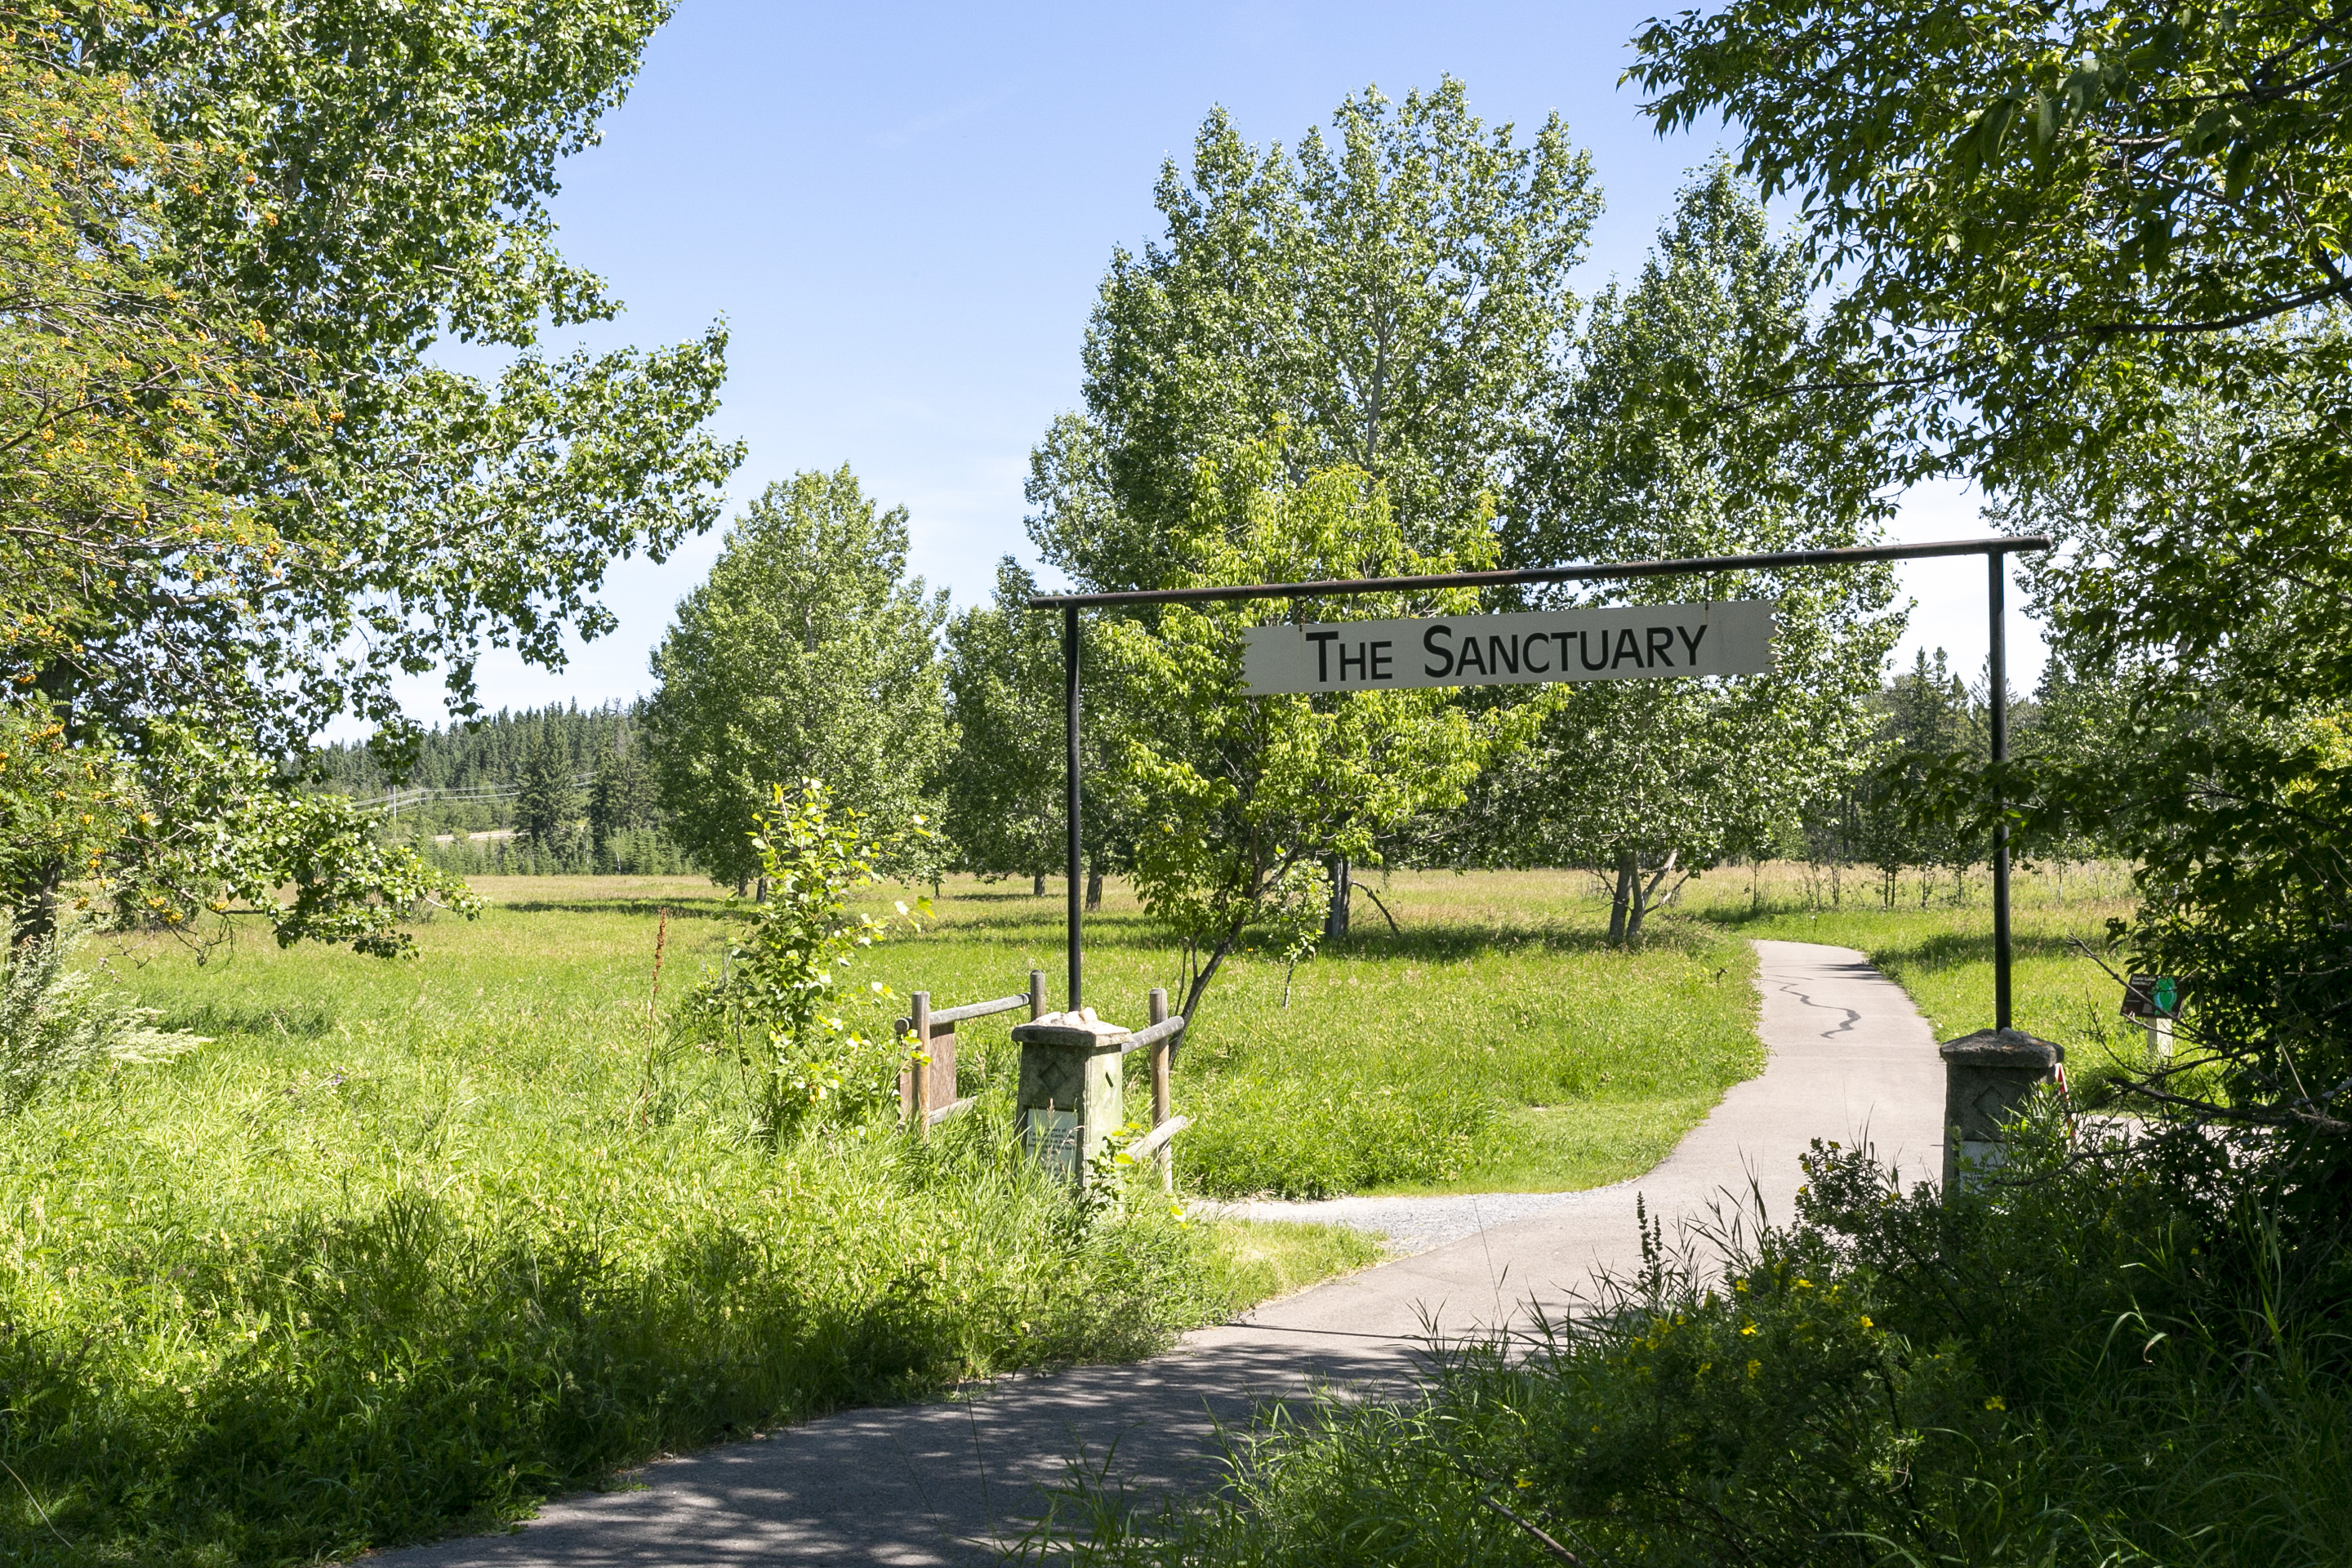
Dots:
{"x": 1987, "y": 1076}
{"x": 1073, "y": 1088}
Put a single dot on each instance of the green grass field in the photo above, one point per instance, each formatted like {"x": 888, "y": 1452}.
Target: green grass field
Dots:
{"x": 405, "y": 1249}
{"x": 1496, "y": 1043}
{"x": 410, "y": 1247}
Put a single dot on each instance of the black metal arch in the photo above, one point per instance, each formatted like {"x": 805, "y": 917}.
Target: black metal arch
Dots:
{"x": 1992, "y": 550}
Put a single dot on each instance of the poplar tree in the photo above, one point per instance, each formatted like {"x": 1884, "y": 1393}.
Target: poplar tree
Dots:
{"x": 1393, "y": 297}
{"x": 1003, "y": 797}
{"x": 809, "y": 653}
{"x": 1665, "y": 444}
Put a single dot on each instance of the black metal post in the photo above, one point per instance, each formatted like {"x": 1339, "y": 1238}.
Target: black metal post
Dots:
{"x": 1070, "y": 797}
{"x": 1997, "y": 677}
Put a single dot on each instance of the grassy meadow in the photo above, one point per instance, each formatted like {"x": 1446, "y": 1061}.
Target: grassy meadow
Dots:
{"x": 1496, "y": 1043}
{"x": 410, "y": 1247}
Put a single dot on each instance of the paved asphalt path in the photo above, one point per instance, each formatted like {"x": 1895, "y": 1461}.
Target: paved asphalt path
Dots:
{"x": 946, "y": 1482}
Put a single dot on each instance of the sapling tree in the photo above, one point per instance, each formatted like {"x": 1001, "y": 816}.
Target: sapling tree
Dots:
{"x": 1238, "y": 800}
{"x": 784, "y": 1000}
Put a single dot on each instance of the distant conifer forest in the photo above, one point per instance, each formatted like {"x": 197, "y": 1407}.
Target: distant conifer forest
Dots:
{"x": 530, "y": 792}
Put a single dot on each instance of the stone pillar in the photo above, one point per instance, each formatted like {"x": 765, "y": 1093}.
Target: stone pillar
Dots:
{"x": 1987, "y": 1076}
{"x": 1073, "y": 1088}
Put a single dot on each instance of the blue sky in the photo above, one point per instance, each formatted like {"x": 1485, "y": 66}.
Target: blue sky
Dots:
{"x": 903, "y": 212}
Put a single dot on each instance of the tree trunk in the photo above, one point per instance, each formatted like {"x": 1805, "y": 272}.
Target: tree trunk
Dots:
{"x": 1201, "y": 977}
{"x": 760, "y": 896}
{"x": 38, "y": 920}
{"x": 1093, "y": 886}
{"x": 1643, "y": 895}
{"x": 1335, "y": 919}
{"x": 1628, "y": 872}
{"x": 1037, "y": 885}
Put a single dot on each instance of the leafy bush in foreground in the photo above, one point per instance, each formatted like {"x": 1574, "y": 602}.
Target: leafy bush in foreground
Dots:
{"x": 2116, "y": 1361}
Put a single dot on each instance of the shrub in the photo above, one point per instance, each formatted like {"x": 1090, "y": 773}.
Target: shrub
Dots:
{"x": 2114, "y": 1357}
{"x": 779, "y": 1001}
{"x": 56, "y": 1021}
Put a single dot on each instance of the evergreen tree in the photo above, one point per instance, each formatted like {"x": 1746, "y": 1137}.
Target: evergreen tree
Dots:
{"x": 622, "y": 799}
{"x": 548, "y": 810}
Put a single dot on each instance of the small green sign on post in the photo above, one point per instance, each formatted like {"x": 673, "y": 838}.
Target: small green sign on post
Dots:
{"x": 2155, "y": 1001}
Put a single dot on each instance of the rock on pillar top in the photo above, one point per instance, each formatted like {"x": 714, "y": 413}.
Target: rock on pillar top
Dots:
{"x": 1988, "y": 1078}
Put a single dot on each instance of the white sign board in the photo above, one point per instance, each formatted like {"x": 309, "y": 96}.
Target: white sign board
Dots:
{"x": 1725, "y": 637}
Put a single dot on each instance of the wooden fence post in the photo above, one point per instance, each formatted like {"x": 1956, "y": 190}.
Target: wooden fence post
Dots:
{"x": 918, "y": 1070}
{"x": 1159, "y": 1097}
{"x": 1037, "y": 994}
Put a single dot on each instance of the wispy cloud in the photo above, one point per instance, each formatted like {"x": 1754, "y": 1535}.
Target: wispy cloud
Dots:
{"x": 923, "y": 125}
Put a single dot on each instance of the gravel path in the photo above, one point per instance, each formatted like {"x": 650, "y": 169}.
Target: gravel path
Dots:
{"x": 1415, "y": 1225}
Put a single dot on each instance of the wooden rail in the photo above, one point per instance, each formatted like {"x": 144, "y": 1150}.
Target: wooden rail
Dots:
{"x": 927, "y": 1089}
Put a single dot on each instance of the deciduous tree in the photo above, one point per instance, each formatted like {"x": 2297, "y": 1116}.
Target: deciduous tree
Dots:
{"x": 1003, "y": 793}
{"x": 1393, "y": 298}
{"x": 273, "y": 502}
{"x": 1239, "y": 800}
{"x": 1665, "y": 444}
{"x": 2099, "y": 248}
{"x": 809, "y": 653}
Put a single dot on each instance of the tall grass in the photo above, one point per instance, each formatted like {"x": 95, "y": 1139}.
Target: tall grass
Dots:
{"x": 2116, "y": 1361}
{"x": 408, "y": 1248}
{"x": 1497, "y": 1042}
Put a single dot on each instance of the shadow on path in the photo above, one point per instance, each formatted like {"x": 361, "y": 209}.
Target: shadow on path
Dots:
{"x": 948, "y": 1480}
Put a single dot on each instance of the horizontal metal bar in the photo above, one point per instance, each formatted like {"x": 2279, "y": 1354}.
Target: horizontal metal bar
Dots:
{"x": 1846, "y": 555}
{"x": 1143, "y": 1039}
